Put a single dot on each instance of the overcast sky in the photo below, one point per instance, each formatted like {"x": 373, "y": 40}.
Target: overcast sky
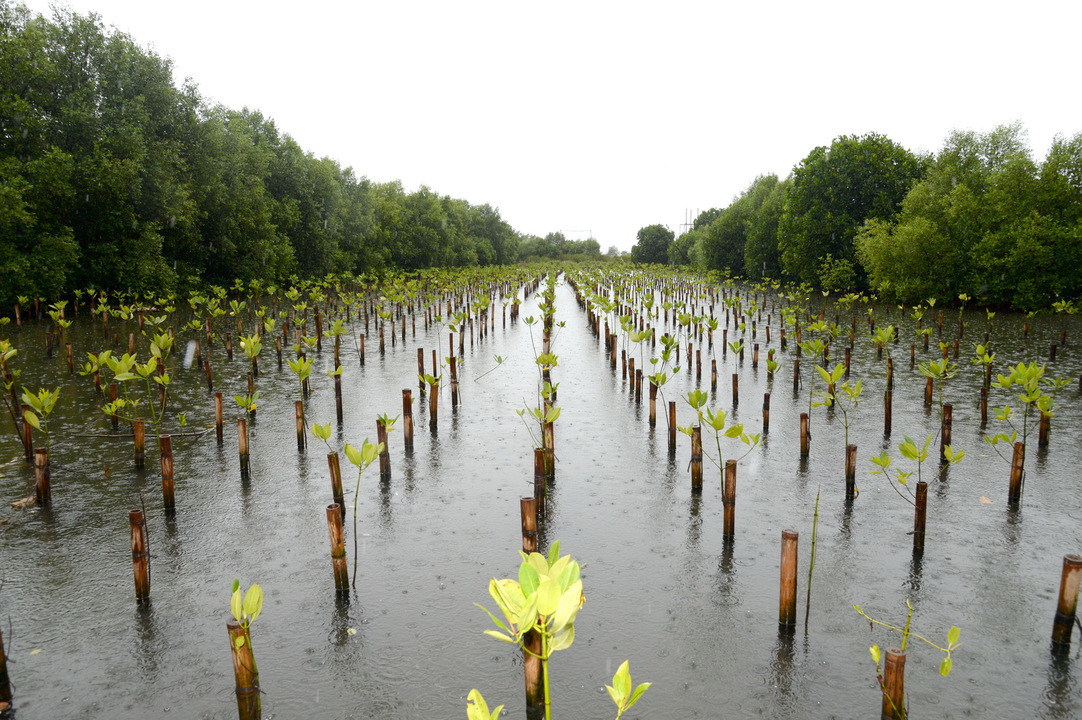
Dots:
{"x": 603, "y": 117}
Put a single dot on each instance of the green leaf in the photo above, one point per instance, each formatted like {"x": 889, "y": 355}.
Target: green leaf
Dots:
{"x": 32, "y": 419}
{"x": 239, "y": 641}
{"x": 354, "y": 455}
{"x": 945, "y": 666}
{"x": 637, "y": 694}
{"x": 874, "y": 650}
{"x": 548, "y": 596}
{"x": 253, "y": 601}
{"x": 952, "y": 636}
{"x": 235, "y": 603}
{"x": 528, "y": 579}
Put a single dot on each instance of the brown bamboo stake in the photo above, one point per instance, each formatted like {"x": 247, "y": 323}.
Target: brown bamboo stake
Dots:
{"x": 638, "y": 386}
{"x": 218, "y": 413}
{"x": 298, "y": 414}
{"x": 210, "y": 376}
{"x": 385, "y": 455}
{"x": 139, "y": 434}
{"x": 1044, "y": 429}
{"x": 1018, "y": 459}
{"x": 945, "y": 431}
{"x": 696, "y": 459}
{"x": 850, "y": 472}
{"x": 672, "y": 426}
{"x": 984, "y": 406}
{"x": 28, "y": 432}
{"x": 407, "y": 419}
{"x": 539, "y": 480}
{"x": 421, "y": 370}
{"x": 168, "y": 490}
{"x": 454, "y": 382}
{"x": 528, "y": 511}
{"x": 245, "y": 673}
{"x": 531, "y": 661}
{"x": 894, "y": 685}
{"x": 338, "y": 548}
{"x": 928, "y": 388}
{"x": 68, "y": 348}
{"x": 229, "y": 347}
{"x": 43, "y": 490}
{"x": 729, "y": 501}
{"x": 6, "y": 696}
{"x": 1067, "y": 604}
{"x": 805, "y": 435}
{"x": 242, "y": 446}
{"x": 920, "y": 516}
{"x": 653, "y": 404}
{"x": 360, "y": 348}
{"x": 140, "y": 556}
{"x": 787, "y": 594}
{"x": 766, "y": 413}
{"x": 338, "y": 399}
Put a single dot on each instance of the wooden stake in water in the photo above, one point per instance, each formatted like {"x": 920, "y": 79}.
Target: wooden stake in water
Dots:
{"x": 165, "y": 442}
{"x": 787, "y": 594}
{"x": 43, "y": 489}
{"x": 407, "y": 419}
{"x": 805, "y": 435}
{"x": 336, "y": 481}
{"x": 528, "y": 512}
{"x": 1018, "y": 460}
{"x": 696, "y": 459}
{"x": 766, "y": 413}
{"x": 6, "y": 696}
{"x": 385, "y": 455}
{"x": 298, "y": 413}
{"x": 1067, "y": 605}
{"x": 945, "y": 431}
{"x": 338, "y": 548}
{"x": 140, "y": 556}
{"x": 729, "y": 501}
{"x": 894, "y": 685}
{"x": 672, "y": 426}
{"x": 242, "y": 446}
{"x": 850, "y": 472}
{"x": 920, "y": 517}
{"x": 139, "y": 434}
{"x": 245, "y": 673}
{"x": 218, "y": 412}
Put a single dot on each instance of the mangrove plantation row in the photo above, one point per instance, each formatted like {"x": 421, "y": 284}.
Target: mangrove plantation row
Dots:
{"x": 866, "y": 440}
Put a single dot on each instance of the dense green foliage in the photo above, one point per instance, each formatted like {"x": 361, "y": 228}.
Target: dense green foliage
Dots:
{"x": 653, "y": 243}
{"x": 113, "y": 178}
{"x": 979, "y": 219}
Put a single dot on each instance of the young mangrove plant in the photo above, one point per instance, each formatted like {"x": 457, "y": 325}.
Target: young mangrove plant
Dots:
{"x": 361, "y": 458}
{"x": 245, "y": 608}
{"x": 891, "y": 676}
{"x": 919, "y": 455}
{"x": 539, "y": 610}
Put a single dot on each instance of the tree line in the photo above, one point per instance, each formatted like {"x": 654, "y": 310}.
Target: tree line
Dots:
{"x": 980, "y": 219}
{"x": 112, "y": 177}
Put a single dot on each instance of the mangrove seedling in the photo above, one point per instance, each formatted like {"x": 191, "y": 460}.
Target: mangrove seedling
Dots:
{"x": 41, "y": 407}
{"x": 622, "y": 691}
{"x": 362, "y": 458}
{"x": 477, "y": 708}
{"x": 910, "y": 451}
{"x": 546, "y": 598}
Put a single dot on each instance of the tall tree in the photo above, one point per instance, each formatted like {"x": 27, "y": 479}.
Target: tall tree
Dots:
{"x": 652, "y": 244}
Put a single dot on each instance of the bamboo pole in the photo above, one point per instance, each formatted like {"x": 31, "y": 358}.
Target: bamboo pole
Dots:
{"x": 385, "y": 455}
{"x": 1044, "y": 429}
{"x": 729, "y": 501}
{"x": 1067, "y": 604}
{"x": 736, "y": 389}
{"x": 139, "y": 435}
{"x": 805, "y": 435}
{"x": 894, "y": 685}
{"x": 242, "y": 446}
{"x": 945, "y": 431}
{"x": 766, "y": 413}
{"x": 338, "y": 548}
{"x": 920, "y": 517}
{"x": 696, "y": 459}
{"x": 531, "y": 662}
{"x": 244, "y": 672}
{"x": 1018, "y": 459}
{"x": 539, "y": 478}
{"x": 407, "y": 419}
{"x": 43, "y": 490}
{"x": 165, "y": 443}
{"x": 850, "y": 472}
{"x": 218, "y": 412}
{"x": 528, "y": 511}
{"x": 787, "y": 594}
{"x": 140, "y": 556}
{"x": 298, "y": 413}
{"x": 28, "y": 432}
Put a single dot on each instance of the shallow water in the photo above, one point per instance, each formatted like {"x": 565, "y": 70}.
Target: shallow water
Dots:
{"x": 696, "y": 618}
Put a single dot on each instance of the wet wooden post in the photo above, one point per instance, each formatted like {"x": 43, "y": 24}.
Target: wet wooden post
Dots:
{"x": 114, "y": 393}
{"x": 713, "y": 375}
{"x": 528, "y": 511}
{"x": 805, "y": 435}
{"x": 335, "y": 468}
{"x": 755, "y": 356}
{"x": 229, "y": 347}
{"x": 531, "y": 661}
{"x": 140, "y": 556}
{"x": 850, "y": 472}
{"x": 945, "y": 431}
{"x": 43, "y": 490}
{"x": 1018, "y": 459}
{"x": 1067, "y": 604}
{"x": 454, "y": 381}
{"x": 928, "y": 391}
{"x": 736, "y": 389}
{"x": 407, "y": 419}
{"x": 984, "y": 406}
{"x": 28, "y": 432}
{"x": 1044, "y": 429}
{"x": 335, "y": 513}
{"x": 653, "y": 404}
{"x": 6, "y": 696}
{"x": 920, "y": 517}
{"x": 421, "y": 370}
{"x": 278, "y": 350}
{"x": 729, "y": 501}
{"x": 218, "y": 418}
{"x": 165, "y": 443}
{"x": 242, "y": 446}
{"x": 385, "y": 454}
{"x": 338, "y": 397}
{"x": 210, "y": 376}
{"x": 539, "y": 480}
{"x": 638, "y": 386}
{"x": 71, "y": 357}
{"x": 787, "y": 594}
{"x": 894, "y": 685}
{"x": 298, "y": 414}
{"x": 766, "y": 413}
{"x": 245, "y": 673}
{"x": 696, "y": 459}
{"x": 139, "y": 434}
{"x": 360, "y": 348}
{"x": 433, "y": 408}
{"x": 672, "y": 426}
{"x": 796, "y": 374}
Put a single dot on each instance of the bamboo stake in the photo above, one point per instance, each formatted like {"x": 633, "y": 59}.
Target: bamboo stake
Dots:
{"x": 245, "y": 673}
{"x": 528, "y": 511}
{"x": 43, "y": 491}
{"x": 1018, "y": 459}
{"x": 165, "y": 443}
{"x": 805, "y": 435}
{"x": 139, "y": 433}
{"x": 407, "y": 418}
{"x": 1067, "y": 604}
{"x": 920, "y": 517}
{"x": 850, "y": 472}
{"x": 218, "y": 412}
{"x": 672, "y": 426}
{"x": 696, "y": 459}
{"x": 242, "y": 446}
{"x": 766, "y": 413}
{"x": 298, "y": 413}
{"x": 140, "y": 556}
{"x": 729, "y": 501}
{"x": 338, "y": 548}
{"x": 787, "y": 594}
{"x": 894, "y": 685}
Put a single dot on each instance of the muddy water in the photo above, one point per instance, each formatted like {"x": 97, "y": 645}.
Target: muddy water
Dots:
{"x": 697, "y": 618}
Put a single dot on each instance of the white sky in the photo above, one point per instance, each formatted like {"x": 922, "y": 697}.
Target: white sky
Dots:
{"x": 604, "y": 117}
